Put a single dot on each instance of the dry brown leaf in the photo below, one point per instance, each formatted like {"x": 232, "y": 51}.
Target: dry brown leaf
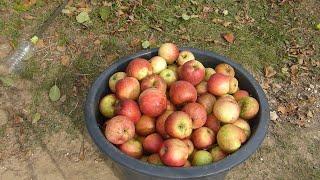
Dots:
{"x": 29, "y": 3}
{"x": 97, "y": 42}
{"x": 269, "y": 71}
{"x": 294, "y": 69}
{"x": 28, "y": 17}
{"x": 65, "y": 60}
{"x": 135, "y": 42}
{"x": 40, "y": 44}
{"x": 217, "y": 21}
{"x": 282, "y": 109}
{"x": 226, "y": 23}
{"x": 206, "y": 9}
{"x": 229, "y": 37}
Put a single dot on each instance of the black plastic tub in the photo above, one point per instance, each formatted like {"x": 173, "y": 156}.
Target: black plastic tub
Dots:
{"x": 130, "y": 168}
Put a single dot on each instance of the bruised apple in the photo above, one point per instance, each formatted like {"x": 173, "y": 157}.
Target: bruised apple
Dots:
{"x": 119, "y": 129}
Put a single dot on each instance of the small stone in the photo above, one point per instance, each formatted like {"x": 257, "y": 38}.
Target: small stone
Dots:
{"x": 309, "y": 114}
{"x": 225, "y": 12}
{"x": 273, "y": 116}
{"x": 4, "y": 117}
{"x": 261, "y": 159}
{"x": 311, "y": 86}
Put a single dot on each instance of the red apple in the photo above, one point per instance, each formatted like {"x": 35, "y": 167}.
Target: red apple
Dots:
{"x": 203, "y": 138}
{"x": 107, "y": 105}
{"x": 128, "y": 88}
{"x": 244, "y": 125}
{"x": 189, "y": 144}
{"x": 226, "y": 110}
{"x": 146, "y": 125}
{"x": 155, "y": 159}
{"x": 128, "y": 108}
{"x": 230, "y": 137}
{"x": 207, "y": 100}
{"x": 169, "y": 52}
{"x": 185, "y": 56}
{"x": 197, "y": 113}
{"x": 225, "y": 69}
{"x": 160, "y": 124}
{"x": 114, "y": 79}
{"x": 249, "y": 107}
{"x": 233, "y": 85}
{"x": 152, "y": 102}
{"x": 192, "y": 71}
{"x": 169, "y": 76}
{"x": 158, "y": 64}
{"x": 174, "y": 152}
{"x": 240, "y": 94}
{"x": 217, "y": 154}
{"x": 152, "y": 143}
{"x": 182, "y": 92}
{"x": 119, "y": 129}
{"x": 132, "y": 148}
{"x": 139, "y": 68}
{"x": 154, "y": 81}
{"x": 178, "y": 125}
{"x": 209, "y": 72}
{"x": 218, "y": 84}
{"x": 202, "y": 87}
{"x": 213, "y": 123}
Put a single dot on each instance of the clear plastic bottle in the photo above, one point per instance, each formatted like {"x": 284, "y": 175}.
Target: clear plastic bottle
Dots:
{"x": 23, "y": 53}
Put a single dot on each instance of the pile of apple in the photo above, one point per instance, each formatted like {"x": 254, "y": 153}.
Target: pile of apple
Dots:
{"x": 171, "y": 110}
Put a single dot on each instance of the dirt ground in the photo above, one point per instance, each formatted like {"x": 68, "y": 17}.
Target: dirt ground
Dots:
{"x": 277, "y": 41}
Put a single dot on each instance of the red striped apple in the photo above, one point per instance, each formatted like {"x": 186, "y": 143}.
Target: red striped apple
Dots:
{"x": 192, "y": 71}
{"x": 225, "y": 69}
{"x": 169, "y": 52}
{"x": 174, "y": 152}
{"x": 128, "y": 108}
{"x": 182, "y": 92}
{"x": 178, "y": 125}
{"x": 139, "y": 68}
{"x": 154, "y": 81}
{"x": 128, "y": 88}
{"x": 197, "y": 113}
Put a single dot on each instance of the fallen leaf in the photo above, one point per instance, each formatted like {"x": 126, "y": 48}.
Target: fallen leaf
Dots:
{"x": 282, "y": 109}
{"x": 28, "y": 17}
{"x": 40, "y": 44}
{"x": 294, "y": 69}
{"x": 54, "y": 93}
{"x": 226, "y": 23}
{"x": 119, "y": 13}
{"x": 104, "y": 13}
{"x": 36, "y": 118}
{"x": 17, "y": 120}
{"x": 229, "y": 37}
{"x": 273, "y": 116}
{"x": 83, "y": 17}
{"x": 97, "y": 42}
{"x": 65, "y": 60}
{"x": 145, "y": 44}
{"x": 135, "y": 42}
{"x": 269, "y": 72}
{"x": 29, "y": 3}
{"x": 185, "y": 16}
{"x": 63, "y": 98}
